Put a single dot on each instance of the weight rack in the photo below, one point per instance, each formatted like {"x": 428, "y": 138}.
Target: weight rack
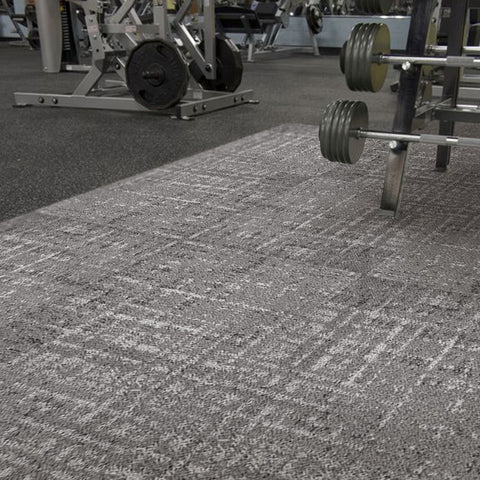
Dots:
{"x": 365, "y": 59}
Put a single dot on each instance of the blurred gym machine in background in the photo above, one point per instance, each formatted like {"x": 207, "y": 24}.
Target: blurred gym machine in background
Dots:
{"x": 19, "y": 21}
{"x": 176, "y": 64}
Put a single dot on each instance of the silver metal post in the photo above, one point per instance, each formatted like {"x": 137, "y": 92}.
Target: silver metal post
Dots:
{"x": 50, "y": 32}
{"x": 209, "y": 38}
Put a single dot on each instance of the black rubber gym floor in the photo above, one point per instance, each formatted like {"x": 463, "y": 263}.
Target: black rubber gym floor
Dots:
{"x": 48, "y": 155}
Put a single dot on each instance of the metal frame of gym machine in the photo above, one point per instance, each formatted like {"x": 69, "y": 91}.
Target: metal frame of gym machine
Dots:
{"x": 17, "y": 20}
{"x": 114, "y": 38}
{"x": 446, "y": 110}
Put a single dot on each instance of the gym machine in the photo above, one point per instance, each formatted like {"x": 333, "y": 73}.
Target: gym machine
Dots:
{"x": 263, "y": 18}
{"x": 27, "y": 20}
{"x": 173, "y": 65}
{"x": 365, "y": 59}
{"x": 314, "y": 17}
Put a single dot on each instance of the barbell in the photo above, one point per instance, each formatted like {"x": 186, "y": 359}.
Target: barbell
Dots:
{"x": 344, "y": 129}
{"x": 366, "y": 56}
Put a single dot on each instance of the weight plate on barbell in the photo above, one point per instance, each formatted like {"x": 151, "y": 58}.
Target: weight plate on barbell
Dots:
{"x": 366, "y": 42}
{"x": 344, "y": 132}
{"x": 333, "y": 137}
{"x": 337, "y": 142}
{"x": 229, "y": 67}
{"x": 157, "y": 74}
{"x": 374, "y": 6}
{"x": 364, "y": 48}
{"x": 314, "y": 18}
{"x": 342, "y": 57}
{"x": 375, "y": 44}
{"x": 327, "y": 142}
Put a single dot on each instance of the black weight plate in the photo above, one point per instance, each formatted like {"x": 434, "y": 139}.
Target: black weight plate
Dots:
{"x": 324, "y": 134}
{"x": 334, "y": 141}
{"x": 343, "y": 131}
{"x": 350, "y": 57}
{"x": 367, "y": 57}
{"x": 357, "y": 119}
{"x": 341, "y": 118}
{"x": 314, "y": 18}
{"x": 362, "y": 56}
{"x": 156, "y": 74}
{"x": 367, "y": 41}
{"x": 355, "y": 72}
{"x": 342, "y": 57}
{"x": 379, "y": 44}
{"x": 229, "y": 67}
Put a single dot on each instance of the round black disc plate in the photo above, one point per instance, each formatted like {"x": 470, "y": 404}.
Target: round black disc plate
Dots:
{"x": 229, "y": 67}
{"x": 337, "y": 140}
{"x": 156, "y": 74}
{"x": 314, "y": 18}
{"x": 367, "y": 41}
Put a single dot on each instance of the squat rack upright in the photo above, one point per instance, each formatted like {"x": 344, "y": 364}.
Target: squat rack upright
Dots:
{"x": 364, "y": 60}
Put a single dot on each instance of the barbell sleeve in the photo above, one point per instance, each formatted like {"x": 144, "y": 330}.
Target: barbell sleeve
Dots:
{"x": 451, "y": 61}
{"x": 442, "y": 49}
{"x": 417, "y": 138}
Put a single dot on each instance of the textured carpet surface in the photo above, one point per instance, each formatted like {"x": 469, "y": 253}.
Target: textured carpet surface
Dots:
{"x": 246, "y": 313}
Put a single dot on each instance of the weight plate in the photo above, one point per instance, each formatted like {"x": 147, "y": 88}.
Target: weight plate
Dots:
{"x": 342, "y": 57}
{"x": 229, "y": 67}
{"x": 350, "y": 58}
{"x": 355, "y": 57}
{"x": 363, "y": 57}
{"x": 357, "y": 119}
{"x": 325, "y": 130}
{"x": 366, "y": 41}
{"x": 337, "y": 143}
{"x": 343, "y": 132}
{"x": 156, "y": 74}
{"x": 334, "y": 140}
{"x": 379, "y": 44}
{"x": 381, "y": 7}
{"x": 314, "y": 18}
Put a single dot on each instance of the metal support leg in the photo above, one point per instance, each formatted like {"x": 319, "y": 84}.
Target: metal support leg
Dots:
{"x": 50, "y": 32}
{"x": 251, "y": 47}
{"x": 316, "y": 51}
{"x": 456, "y": 39}
{"x": 407, "y": 95}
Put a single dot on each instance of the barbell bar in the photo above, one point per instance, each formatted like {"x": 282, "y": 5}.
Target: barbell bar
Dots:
{"x": 450, "y": 61}
{"x": 366, "y": 56}
{"x": 439, "y": 49}
{"x": 344, "y": 129}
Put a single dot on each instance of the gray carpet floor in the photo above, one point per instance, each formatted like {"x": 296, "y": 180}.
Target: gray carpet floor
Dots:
{"x": 246, "y": 313}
